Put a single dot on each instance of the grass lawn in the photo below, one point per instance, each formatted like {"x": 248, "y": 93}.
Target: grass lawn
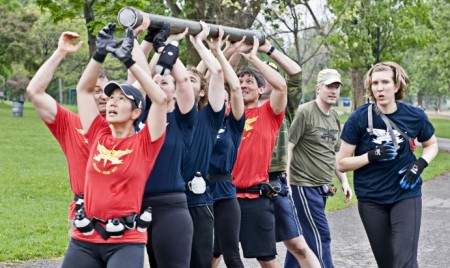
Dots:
{"x": 35, "y": 188}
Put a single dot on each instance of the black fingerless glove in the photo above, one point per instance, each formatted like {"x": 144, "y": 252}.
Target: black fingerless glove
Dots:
{"x": 412, "y": 173}
{"x": 167, "y": 59}
{"x": 105, "y": 42}
{"x": 161, "y": 36}
{"x": 151, "y": 33}
{"x": 384, "y": 152}
{"x": 123, "y": 53}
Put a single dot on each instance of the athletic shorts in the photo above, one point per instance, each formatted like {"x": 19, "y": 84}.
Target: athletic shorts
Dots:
{"x": 287, "y": 224}
{"x": 257, "y": 233}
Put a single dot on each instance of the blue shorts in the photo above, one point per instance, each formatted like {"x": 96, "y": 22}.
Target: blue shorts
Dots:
{"x": 287, "y": 224}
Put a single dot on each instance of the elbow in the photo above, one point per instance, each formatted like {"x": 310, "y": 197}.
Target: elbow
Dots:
{"x": 341, "y": 166}
{"x": 216, "y": 71}
{"x": 30, "y": 92}
{"x": 162, "y": 100}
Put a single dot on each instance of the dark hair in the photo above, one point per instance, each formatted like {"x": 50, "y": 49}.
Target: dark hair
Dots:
{"x": 401, "y": 79}
{"x": 102, "y": 74}
{"x": 252, "y": 72}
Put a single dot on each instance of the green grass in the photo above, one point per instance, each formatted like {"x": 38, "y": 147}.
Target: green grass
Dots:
{"x": 35, "y": 189}
{"x": 442, "y": 127}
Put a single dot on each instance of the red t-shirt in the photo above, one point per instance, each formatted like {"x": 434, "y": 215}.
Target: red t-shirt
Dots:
{"x": 69, "y": 133}
{"x": 255, "y": 152}
{"x": 116, "y": 174}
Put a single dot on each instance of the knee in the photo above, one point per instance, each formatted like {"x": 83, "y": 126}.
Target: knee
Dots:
{"x": 298, "y": 248}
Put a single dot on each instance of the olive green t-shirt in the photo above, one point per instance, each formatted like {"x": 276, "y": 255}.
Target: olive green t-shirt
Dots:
{"x": 279, "y": 155}
{"x": 316, "y": 139}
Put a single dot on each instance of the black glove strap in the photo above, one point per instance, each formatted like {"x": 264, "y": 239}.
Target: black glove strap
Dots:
{"x": 129, "y": 63}
{"x": 99, "y": 57}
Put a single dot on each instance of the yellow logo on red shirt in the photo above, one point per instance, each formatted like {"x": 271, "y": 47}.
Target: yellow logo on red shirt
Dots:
{"x": 248, "y": 127}
{"x": 81, "y": 131}
{"x": 109, "y": 155}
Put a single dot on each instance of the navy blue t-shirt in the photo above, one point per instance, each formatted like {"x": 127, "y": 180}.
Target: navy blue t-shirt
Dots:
{"x": 379, "y": 181}
{"x": 207, "y": 126}
{"x": 224, "y": 155}
{"x": 166, "y": 175}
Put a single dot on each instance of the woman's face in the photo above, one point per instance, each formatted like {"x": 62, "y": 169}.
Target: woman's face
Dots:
{"x": 118, "y": 108}
{"x": 383, "y": 87}
{"x": 167, "y": 84}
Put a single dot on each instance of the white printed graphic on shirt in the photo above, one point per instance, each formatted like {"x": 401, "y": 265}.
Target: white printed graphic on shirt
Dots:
{"x": 385, "y": 136}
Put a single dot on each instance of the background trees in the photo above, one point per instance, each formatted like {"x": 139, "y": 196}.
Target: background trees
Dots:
{"x": 349, "y": 35}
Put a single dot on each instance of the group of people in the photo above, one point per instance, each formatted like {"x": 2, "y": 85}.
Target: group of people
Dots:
{"x": 182, "y": 165}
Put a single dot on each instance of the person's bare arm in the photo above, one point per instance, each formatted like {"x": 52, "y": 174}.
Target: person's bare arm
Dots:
{"x": 87, "y": 108}
{"x": 430, "y": 149}
{"x": 44, "y": 104}
{"x": 278, "y": 97}
{"x": 345, "y": 159}
{"x": 236, "y": 100}
{"x": 216, "y": 92}
{"x": 157, "y": 115}
{"x": 348, "y": 193}
{"x": 287, "y": 64}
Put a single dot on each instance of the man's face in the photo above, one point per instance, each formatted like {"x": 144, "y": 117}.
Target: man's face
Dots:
{"x": 328, "y": 94}
{"x": 265, "y": 95}
{"x": 250, "y": 89}
{"x": 196, "y": 85}
{"x": 99, "y": 95}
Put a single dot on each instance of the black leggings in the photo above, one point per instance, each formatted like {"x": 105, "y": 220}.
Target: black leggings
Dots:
{"x": 170, "y": 236}
{"x": 227, "y": 223}
{"x": 85, "y": 254}
{"x": 393, "y": 231}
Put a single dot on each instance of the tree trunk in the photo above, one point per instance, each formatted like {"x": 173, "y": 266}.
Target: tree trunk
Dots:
{"x": 89, "y": 17}
{"x": 60, "y": 89}
{"x": 420, "y": 99}
{"x": 359, "y": 93}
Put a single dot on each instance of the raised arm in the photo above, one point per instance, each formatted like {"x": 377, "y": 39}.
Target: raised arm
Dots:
{"x": 87, "y": 107}
{"x": 157, "y": 115}
{"x": 216, "y": 92}
{"x": 278, "y": 97}
{"x": 287, "y": 64}
{"x": 294, "y": 79}
{"x": 233, "y": 52}
{"x": 44, "y": 104}
{"x": 184, "y": 91}
{"x": 236, "y": 100}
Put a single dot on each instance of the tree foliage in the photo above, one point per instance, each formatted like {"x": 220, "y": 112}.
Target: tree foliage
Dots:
{"x": 96, "y": 13}
{"x": 16, "y": 45}
{"x": 428, "y": 68}
{"x": 372, "y": 31}
{"x": 233, "y": 13}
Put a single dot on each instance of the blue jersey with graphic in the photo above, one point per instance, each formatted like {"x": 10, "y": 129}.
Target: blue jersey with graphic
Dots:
{"x": 224, "y": 155}
{"x": 206, "y": 128}
{"x": 379, "y": 181}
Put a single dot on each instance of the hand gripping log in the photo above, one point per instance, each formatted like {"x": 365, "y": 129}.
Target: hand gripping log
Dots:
{"x": 132, "y": 17}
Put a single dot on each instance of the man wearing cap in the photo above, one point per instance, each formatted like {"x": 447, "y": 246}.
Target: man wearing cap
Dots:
{"x": 313, "y": 142}
{"x": 65, "y": 125}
